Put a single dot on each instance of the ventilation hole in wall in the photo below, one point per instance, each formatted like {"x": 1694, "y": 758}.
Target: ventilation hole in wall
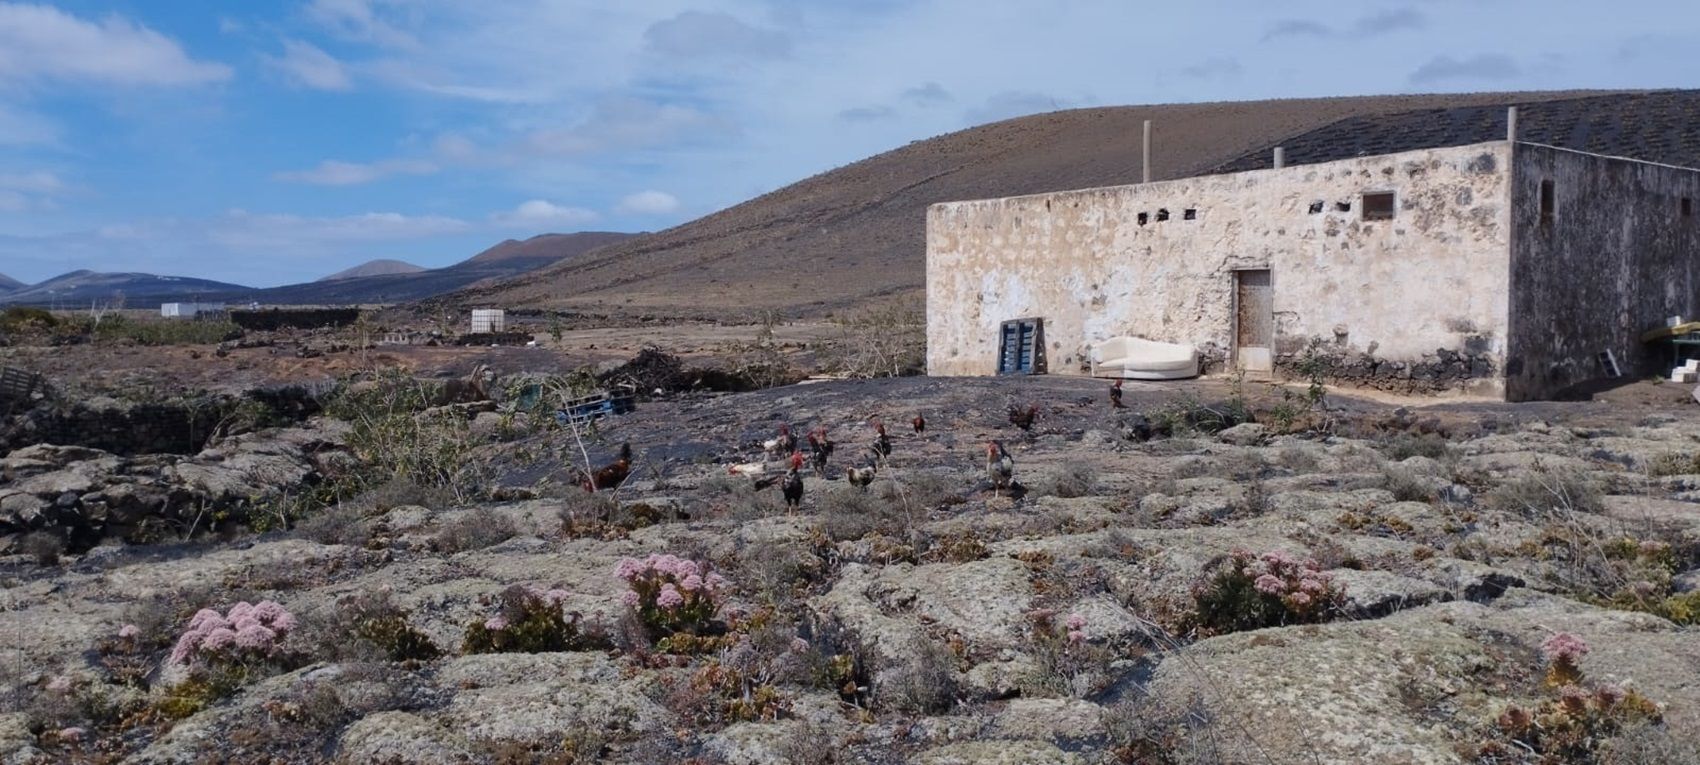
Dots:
{"x": 1316, "y": 207}
{"x": 1378, "y": 205}
{"x": 1144, "y": 218}
{"x": 1190, "y": 214}
{"x": 1547, "y": 201}
{"x": 1162, "y": 214}
{"x": 1687, "y": 207}
{"x": 1343, "y": 206}
{"x": 1047, "y": 205}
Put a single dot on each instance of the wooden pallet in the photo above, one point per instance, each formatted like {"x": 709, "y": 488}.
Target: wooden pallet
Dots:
{"x": 16, "y": 385}
{"x": 584, "y": 409}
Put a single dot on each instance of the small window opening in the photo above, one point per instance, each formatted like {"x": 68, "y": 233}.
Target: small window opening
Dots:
{"x": 1687, "y": 207}
{"x": 1144, "y": 218}
{"x": 1378, "y": 205}
{"x": 1192, "y": 214}
{"x": 1546, "y": 201}
{"x": 1316, "y": 207}
{"x": 1343, "y": 206}
{"x": 1162, "y": 214}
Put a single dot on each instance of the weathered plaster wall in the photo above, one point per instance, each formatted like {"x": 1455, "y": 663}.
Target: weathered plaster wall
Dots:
{"x": 1432, "y": 278}
{"x": 1616, "y": 258}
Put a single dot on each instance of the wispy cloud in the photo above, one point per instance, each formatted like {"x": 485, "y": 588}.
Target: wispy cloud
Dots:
{"x": 1486, "y": 66}
{"x": 1213, "y": 68}
{"x": 361, "y": 20}
{"x": 305, "y": 64}
{"x": 336, "y": 173}
{"x": 631, "y": 123}
{"x": 1373, "y": 25}
{"x": 648, "y": 203}
{"x": 698, "y": 34}
{"x": 927, "y": 95}
{"x": 39, "y": 42}
{"x": 541, "y": 214}
{"x": 867, "y": 114}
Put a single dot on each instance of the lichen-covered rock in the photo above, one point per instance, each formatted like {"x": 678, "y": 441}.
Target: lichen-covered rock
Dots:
{"x": 402, "y": 738}
{"x": 998, "y": 753}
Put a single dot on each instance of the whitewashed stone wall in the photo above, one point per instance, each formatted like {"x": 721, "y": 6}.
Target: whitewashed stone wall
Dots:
{"x": 1434, "y": 278}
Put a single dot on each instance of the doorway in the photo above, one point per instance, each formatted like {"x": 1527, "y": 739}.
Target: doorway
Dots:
{"x": 1254, "y": 321}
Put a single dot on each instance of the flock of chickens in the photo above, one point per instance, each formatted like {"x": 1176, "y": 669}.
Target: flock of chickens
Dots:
{"x": 1000, "y": 466}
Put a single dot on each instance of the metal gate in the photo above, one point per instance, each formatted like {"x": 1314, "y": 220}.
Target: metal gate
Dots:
{"x": 1254, "y": 321}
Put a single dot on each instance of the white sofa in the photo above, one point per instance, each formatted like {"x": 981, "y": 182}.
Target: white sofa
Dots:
{"x": 1135, "y": 358}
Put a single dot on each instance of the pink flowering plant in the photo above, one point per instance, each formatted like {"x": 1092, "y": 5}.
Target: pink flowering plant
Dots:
{"x": 527, "y": 619}
{"x": 1251, "y": 592}
{"x": 1563, "y": 653}
{"x": 1572, "y": 724}
{"x": 670, "y": 594}
{"x": 248, "y": 634}
{"x": 1070, "y": 661}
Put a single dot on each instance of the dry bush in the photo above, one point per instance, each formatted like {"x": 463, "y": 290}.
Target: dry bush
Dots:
{"x": 926, "y": 685}
{"x": 1406, "y": 445}
{"x": 474, "y": 530}
{"x": 1672, "y": 463}
{"x": 1150, "y": 731}
{"x": 401, "y": 492}
{"x": 365, "y": 626}
{"x": 1299, "y": 460}
{"x": 850, "y": 514}
{"x": 886, "y": 342}
{"x": 44, "y": 547}
{"x": 1404, "y": 485}
{"x": 1068, "y": 481}
{"x": 1651, "y": 744}
{"x": 339, "y": 524}
{"x": 777, "y": 572}
{"x": 1542, "y": 494}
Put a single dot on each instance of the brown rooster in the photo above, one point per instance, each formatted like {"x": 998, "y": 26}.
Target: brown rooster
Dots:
{"x": 613, "y": 474}
{"x": 919, "y": 423}
{"x": 1116, "y": 396}
{"x": 793, "y": 485}
{"x": 784, "y": 443}
{"x": 1000, "y": 467}
{"x": 881, "y": 447}
{"x": 1023, "y": 418}
{"x": 820, "y": 448}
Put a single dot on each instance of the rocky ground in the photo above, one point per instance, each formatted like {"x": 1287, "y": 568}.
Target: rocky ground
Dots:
{"x": 1090, "y": 615}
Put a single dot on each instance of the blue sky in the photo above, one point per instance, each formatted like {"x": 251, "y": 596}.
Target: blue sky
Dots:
{"x": 265, "y": 142}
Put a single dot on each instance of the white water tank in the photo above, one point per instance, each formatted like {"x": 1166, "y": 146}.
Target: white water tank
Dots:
{"x": 489, "y": 320}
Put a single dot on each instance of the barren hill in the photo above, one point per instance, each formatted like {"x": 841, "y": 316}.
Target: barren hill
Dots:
{"x": 855, "y": 235}
{"x": 134, "y": 290}
{"x": 375, "y": 268}
{"x": 505, "y": 260}
{"x": 7, "y": 283}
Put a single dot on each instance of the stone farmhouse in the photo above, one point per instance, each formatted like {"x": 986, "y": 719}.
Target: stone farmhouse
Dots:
{"x": 1501, "y": 268}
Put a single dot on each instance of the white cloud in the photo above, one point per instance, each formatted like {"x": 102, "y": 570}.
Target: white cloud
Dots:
{"x": 264, "y": 231}
{"x": 648, "y": 203}
{"x": 306, "y": 64}
{"x": 38, "y": 182}
{"x": 630, "y": 123}
{"x": 39, "y": 42}
{"x": 21, "y": 192}
{"x": 360, "y": 20}
{"x": 539, "y": 212}
{"x": 336, "y": 173}
{"x": 698, "y": 34}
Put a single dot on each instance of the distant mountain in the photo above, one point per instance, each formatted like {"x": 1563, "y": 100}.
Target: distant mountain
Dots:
{"x": 80, "y": 288}
{"x": 375, "y": 268}
{"x": 8, "y": 284}
{"x": 508, "y": 259}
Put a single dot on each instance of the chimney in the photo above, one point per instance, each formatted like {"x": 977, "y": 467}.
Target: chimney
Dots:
{"x": 1145, "y": 161}
{"x": 1280, "y": 158}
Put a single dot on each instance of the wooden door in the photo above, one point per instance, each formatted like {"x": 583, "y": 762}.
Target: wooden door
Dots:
{"x": 1254, "y": 321}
